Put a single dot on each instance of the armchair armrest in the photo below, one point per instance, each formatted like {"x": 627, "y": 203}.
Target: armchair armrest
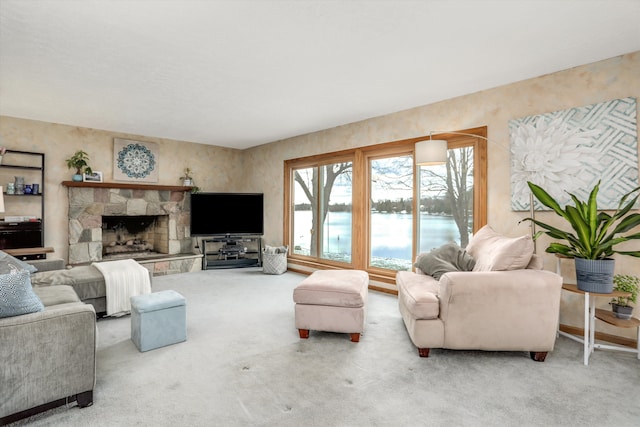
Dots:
{"x": 47, "y": 264}
{"x": 47, "y": 356}
{"x": 516, "y": 309}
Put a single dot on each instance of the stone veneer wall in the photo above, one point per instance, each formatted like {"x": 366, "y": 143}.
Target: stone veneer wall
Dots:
{"x": 88, "y": 204}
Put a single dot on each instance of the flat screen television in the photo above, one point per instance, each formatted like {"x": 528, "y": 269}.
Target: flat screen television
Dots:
{"x": 214, "y": 214}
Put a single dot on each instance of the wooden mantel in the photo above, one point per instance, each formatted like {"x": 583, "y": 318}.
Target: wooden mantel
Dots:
{"x": 128, "y": 185}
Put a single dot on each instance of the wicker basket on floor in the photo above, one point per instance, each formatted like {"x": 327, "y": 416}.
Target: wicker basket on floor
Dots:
{"x": 274, "y": 263}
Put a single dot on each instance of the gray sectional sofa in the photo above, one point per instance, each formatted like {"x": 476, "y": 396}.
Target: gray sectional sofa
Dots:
{"x": 48, "y": 356}
{"x": 48, "y": 335}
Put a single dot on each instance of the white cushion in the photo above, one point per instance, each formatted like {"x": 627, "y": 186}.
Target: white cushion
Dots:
{"x": 495, "y": 252}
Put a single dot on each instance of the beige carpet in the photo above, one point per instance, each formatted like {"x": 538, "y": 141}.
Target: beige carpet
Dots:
{"x": 244, "y": 365}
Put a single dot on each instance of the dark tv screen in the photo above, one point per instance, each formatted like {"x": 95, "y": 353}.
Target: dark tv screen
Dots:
{"x": 226, "y": 213}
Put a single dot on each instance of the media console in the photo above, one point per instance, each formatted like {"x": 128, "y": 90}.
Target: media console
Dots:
{"x": 231, "y": 251}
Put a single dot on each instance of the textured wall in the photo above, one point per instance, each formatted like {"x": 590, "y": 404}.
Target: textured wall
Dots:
{"x": 215, "y": 168}
{"x": 610, "y": 79}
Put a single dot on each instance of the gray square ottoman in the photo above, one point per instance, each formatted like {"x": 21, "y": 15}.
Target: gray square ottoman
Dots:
{"x": 158, "y": 319}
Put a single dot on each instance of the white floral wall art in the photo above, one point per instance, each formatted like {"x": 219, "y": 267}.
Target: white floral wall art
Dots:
{"x": 568, "y": 151}
{"x": 135, "y": 160}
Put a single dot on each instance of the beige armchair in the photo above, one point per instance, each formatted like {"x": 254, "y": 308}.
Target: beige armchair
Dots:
{"x": 508, "y": 304}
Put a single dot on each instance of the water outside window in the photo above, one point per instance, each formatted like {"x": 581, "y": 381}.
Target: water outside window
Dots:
{"x": 336, "y": 230}
{"x": 302, "y": 210}
{"x": 446, "y": 201}
{"x": 323, "y": 211}
{"x": 391, "y": 212}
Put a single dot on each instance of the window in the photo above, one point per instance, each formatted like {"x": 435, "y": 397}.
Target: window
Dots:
{"x": 322, "y": 218}
{"x": 391, "y": 212}
{"x": 372, "y": 209}
{"x": 446, "y": 201}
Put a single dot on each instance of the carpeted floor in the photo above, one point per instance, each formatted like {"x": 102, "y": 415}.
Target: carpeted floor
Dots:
{"x": 244, "y": 364}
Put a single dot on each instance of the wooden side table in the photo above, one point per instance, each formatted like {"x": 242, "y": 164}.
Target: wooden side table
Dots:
{"x": 590, "y": 315}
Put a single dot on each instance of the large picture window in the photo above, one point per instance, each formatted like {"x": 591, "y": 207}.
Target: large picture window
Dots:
{"x": 446, "y": 201}
{"x": 391, "y": 212}
{"x": 372, "y": 209}
{"x": 322, "y": 206}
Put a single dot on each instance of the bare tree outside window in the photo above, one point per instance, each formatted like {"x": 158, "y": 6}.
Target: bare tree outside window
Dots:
{"x": 314, "y": 193}
{"x": 391, "y": 212}
{"x": 446, "y": 200}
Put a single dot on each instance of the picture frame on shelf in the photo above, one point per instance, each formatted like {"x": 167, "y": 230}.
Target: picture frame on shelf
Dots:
{"x": 96, "y": 176}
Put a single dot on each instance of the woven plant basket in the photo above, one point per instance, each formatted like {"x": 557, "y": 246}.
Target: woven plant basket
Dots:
{"x": 274, "y": 263}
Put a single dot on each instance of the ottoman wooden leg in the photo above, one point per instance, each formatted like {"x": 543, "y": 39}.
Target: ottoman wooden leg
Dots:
{"x": 355, "y": 337}
{"x": 304, "y": 333}
{"x": 423, "y": 352}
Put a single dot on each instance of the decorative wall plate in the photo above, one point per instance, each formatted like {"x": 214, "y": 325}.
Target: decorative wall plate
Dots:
{"x": 135, "y": 160}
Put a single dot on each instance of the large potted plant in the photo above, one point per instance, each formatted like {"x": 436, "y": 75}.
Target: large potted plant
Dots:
{"x": 594, "y": 237}
{"x": 620, "y": 305}
{"x": 80, "y": 162}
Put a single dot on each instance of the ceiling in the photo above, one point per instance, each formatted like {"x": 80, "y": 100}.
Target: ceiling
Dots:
{"x": 244, "y": 73}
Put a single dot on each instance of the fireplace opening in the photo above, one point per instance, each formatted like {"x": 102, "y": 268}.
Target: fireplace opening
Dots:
{"x": 134, "y": 236}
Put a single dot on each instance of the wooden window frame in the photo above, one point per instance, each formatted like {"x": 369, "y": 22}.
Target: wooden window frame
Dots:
{"x": 360, "y": 157}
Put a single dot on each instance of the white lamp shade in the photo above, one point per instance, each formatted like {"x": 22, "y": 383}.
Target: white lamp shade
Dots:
{"x": 431, "y": 152}
{"x": 1, "y": 199}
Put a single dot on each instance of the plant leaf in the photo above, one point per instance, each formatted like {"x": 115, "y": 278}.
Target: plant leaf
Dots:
{"x": 582, "y": 229}
{"x": 546, "y": 199}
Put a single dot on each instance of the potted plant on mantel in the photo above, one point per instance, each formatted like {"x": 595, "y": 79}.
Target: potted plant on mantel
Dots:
{"x": 80, "y": 162}
{"x": 187, "y": 179}
{"x": 596, "y": 235}
{"x": 620, "y": 305}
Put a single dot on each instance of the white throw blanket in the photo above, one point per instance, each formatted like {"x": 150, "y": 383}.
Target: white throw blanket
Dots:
{"x": 123, "y": 279}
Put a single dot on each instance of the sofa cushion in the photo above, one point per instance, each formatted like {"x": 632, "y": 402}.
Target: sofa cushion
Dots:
{"x": 17, "y": 296}
{"x": 338, "y": 288}
{"x": 86, "y": 280}
{"x": 446, "y": 258}
{"x": 495, "y": 252}
{"x": 419, "y": 294}
{"x": 47, "y": 264}
{"x": 54, "y": 295}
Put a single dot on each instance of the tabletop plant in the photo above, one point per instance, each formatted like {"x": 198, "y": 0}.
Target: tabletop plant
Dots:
{"x": 80, "y": 162}
{"x": 595, "y": 233}
{"x": 594, "y": 238}
{"x": 626, "y": 283}
{"x": 186, "y": 178}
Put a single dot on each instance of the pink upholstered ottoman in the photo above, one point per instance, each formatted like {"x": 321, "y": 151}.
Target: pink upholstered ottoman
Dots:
{"x": 332, "y": 301}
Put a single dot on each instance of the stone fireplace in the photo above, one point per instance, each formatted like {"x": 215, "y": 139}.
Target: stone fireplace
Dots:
{"x": 103, "y": 216}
